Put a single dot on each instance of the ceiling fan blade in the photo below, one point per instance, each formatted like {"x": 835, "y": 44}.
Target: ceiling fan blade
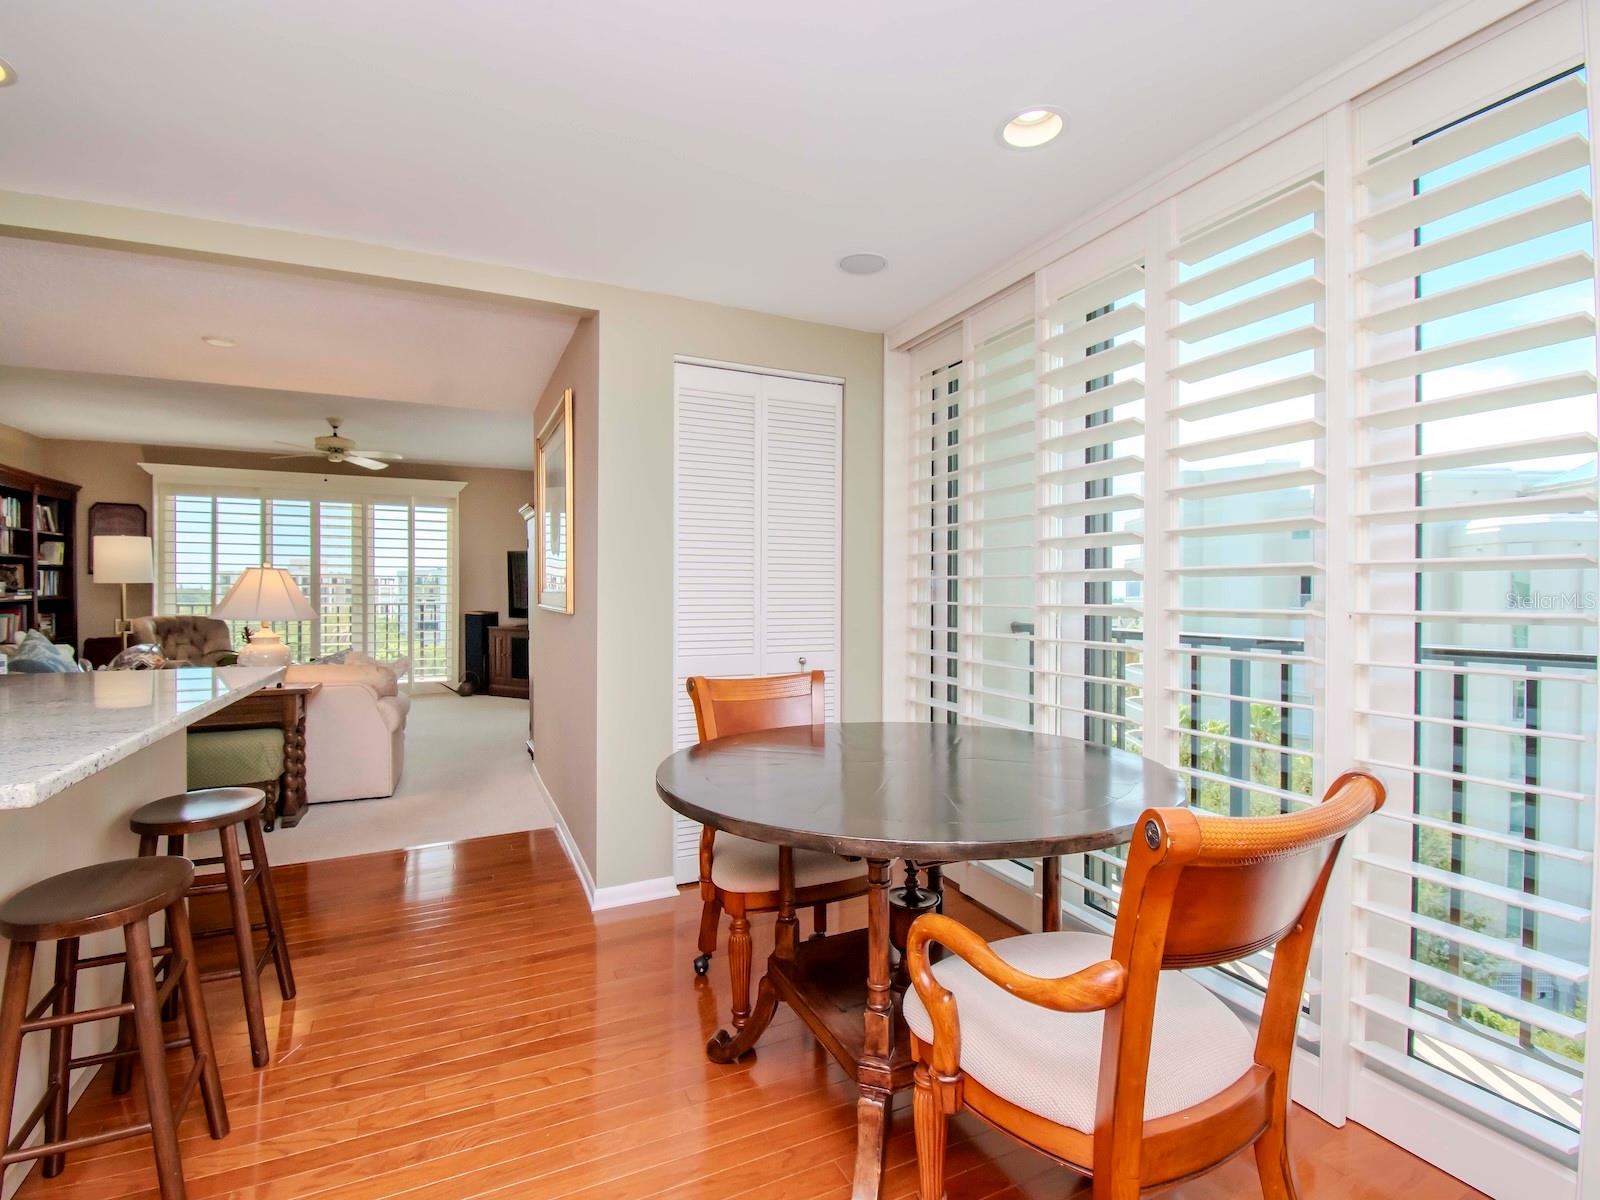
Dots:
{"x": 307, "y": 454}
{"x": 293, "y": 445}
{"x": 389, "y": 454}
{"x": 370, "y": 464}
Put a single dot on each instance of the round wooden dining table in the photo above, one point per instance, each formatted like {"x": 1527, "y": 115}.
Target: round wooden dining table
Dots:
{"x": 924, "y": 793}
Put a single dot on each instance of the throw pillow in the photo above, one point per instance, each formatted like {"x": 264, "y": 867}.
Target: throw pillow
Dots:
{"x": 37, "y": 655}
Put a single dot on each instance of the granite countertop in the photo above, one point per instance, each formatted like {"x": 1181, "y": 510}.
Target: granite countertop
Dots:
{"x": 58, "y": 729}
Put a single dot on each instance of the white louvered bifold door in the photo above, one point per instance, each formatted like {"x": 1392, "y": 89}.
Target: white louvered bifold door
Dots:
{"x": 1476, "y": 652}
{"x": 800, "y": 530}
{"x": 756, "y": 555}
{"x": 1091, "y": 511}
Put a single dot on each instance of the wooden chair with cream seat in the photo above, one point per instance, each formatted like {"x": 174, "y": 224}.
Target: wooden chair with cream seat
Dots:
{"x": 740, "y": 876}
{"x": 1062, "y": 1041}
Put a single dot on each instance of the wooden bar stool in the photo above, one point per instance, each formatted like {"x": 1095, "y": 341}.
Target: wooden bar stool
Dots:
{"x": 224, "y": 810}
{"x": 124, "y": 895}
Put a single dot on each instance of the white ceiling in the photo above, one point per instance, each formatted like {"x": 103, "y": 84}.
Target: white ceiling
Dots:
{"x": 725, "y": 150}
{"x": 68, "y": 307}
{"x": 153, "y": 412}
{"x": 105, "y": 343}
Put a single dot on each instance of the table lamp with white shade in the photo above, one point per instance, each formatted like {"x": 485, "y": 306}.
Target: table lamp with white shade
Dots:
{"x": 264, "y": 593}
{"x": 123, "y": 559}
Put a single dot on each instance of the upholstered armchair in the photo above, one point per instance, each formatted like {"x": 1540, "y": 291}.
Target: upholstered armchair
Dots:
{"x": 1101, "y": 1052}
{"x": 198, "y": 641}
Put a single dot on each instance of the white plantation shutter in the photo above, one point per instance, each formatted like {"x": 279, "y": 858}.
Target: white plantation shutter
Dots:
{"x": 1246, "y": 475}
{"x": 1476, "y": 497}
{"x": 934, "y": 621}
{"x": 1091, "y": 511}
{"x": 433, "y": 626}
{"x": 381, "y": 573}
{"x": 341, "y": 617}
{"x": 756, "y": 563}
{"x": 1317, "y": 489}
{"x": 995, "y": 533}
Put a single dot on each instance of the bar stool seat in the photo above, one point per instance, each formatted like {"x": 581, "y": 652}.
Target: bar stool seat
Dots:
{"x": 198, "y": 811}
{"x": 224, "y": 810}
{"x": 122, "y": 894}
{"x": 90, "y": 899}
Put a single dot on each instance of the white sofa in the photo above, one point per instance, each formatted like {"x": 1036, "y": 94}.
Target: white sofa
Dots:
{"x": 355, "y": 731}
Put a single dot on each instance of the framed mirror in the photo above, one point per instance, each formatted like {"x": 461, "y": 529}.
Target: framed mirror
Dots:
{"x": 553, "y": 477}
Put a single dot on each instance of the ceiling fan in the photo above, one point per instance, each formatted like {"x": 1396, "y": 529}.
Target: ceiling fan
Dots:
{"x": 338, "y": 449}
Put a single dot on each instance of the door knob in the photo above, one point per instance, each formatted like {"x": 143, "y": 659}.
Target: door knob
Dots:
{"x": 802, "y": 662}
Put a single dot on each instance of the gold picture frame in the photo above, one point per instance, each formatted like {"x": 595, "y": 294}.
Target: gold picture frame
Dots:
{"x": 553, "y": 477}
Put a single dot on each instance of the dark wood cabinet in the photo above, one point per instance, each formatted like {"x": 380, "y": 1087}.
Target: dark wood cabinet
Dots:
{"x": 508, "y": 661}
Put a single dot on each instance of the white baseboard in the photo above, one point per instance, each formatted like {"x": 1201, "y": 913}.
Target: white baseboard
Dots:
{"x": 564, "y": 836}
{"x": 622, "y": 894}
{"x": 617, "y": 896}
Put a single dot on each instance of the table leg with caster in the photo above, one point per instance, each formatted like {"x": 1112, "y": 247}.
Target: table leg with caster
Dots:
{"x": 726, "y": 1047}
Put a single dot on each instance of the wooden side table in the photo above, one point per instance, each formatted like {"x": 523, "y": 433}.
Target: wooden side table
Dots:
{"x": 282, "y": 706}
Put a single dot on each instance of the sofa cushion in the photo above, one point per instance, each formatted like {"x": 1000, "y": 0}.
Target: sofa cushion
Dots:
{"x": 1049, "y": 1062}
{"x": 344, "y": 674}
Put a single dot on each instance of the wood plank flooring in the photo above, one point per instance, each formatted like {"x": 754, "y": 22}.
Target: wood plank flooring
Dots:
{"x": 467, "y": 1028}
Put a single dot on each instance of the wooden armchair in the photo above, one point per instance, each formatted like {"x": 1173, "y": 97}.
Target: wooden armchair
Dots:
{"x": 1061, "y": 1039}
{"x": 738, "y": 875}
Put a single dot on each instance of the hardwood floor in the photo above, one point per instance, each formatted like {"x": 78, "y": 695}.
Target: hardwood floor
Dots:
{"x": 466, "y": 1028}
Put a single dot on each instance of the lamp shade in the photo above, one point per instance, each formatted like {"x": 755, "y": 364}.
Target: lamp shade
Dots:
{"x": 265, "y": 594}
{"x": 119, "y": 558}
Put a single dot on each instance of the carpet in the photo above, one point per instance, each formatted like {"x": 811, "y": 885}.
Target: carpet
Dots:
{"x": 467, "y": 775}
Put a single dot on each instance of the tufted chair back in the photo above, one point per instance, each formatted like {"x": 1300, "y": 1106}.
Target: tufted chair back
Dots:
{"x": 203, "y": 641}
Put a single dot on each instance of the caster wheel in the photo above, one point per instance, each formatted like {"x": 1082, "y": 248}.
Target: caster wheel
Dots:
{"x": 702, "y": 964}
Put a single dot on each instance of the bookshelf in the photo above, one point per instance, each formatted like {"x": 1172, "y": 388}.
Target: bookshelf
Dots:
{"x": 38, "y": 555}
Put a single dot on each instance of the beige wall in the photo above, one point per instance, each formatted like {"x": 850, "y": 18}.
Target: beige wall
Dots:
{"x": 23, "y": 451}
{"x": 110, "y": 471}
{"x": 565, "y": 705}
{"x": 633, "y": 591}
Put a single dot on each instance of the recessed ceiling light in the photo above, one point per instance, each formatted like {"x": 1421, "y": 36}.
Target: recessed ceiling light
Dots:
{"x": 8, "y": 73}
{"x": 221, "y": 343}
{"x": 1032, "y": 127}
{"x": 862, "y": 264}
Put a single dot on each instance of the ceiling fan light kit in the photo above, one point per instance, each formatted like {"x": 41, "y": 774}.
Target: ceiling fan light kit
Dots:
{"x": 336, "y": 449}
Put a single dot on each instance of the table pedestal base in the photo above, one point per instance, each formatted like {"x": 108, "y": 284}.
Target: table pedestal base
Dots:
{"x": 861, "y": 1026}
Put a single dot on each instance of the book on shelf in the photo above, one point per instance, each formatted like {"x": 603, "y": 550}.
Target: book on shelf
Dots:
{"x": 49, "y": 582}
{"x": 10, "y": 624}
{"x": 45, "y": 517}
{"x": 11, "y": 511}
{"x": 47, "y": 625}
{"x": 52, "y": 554}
